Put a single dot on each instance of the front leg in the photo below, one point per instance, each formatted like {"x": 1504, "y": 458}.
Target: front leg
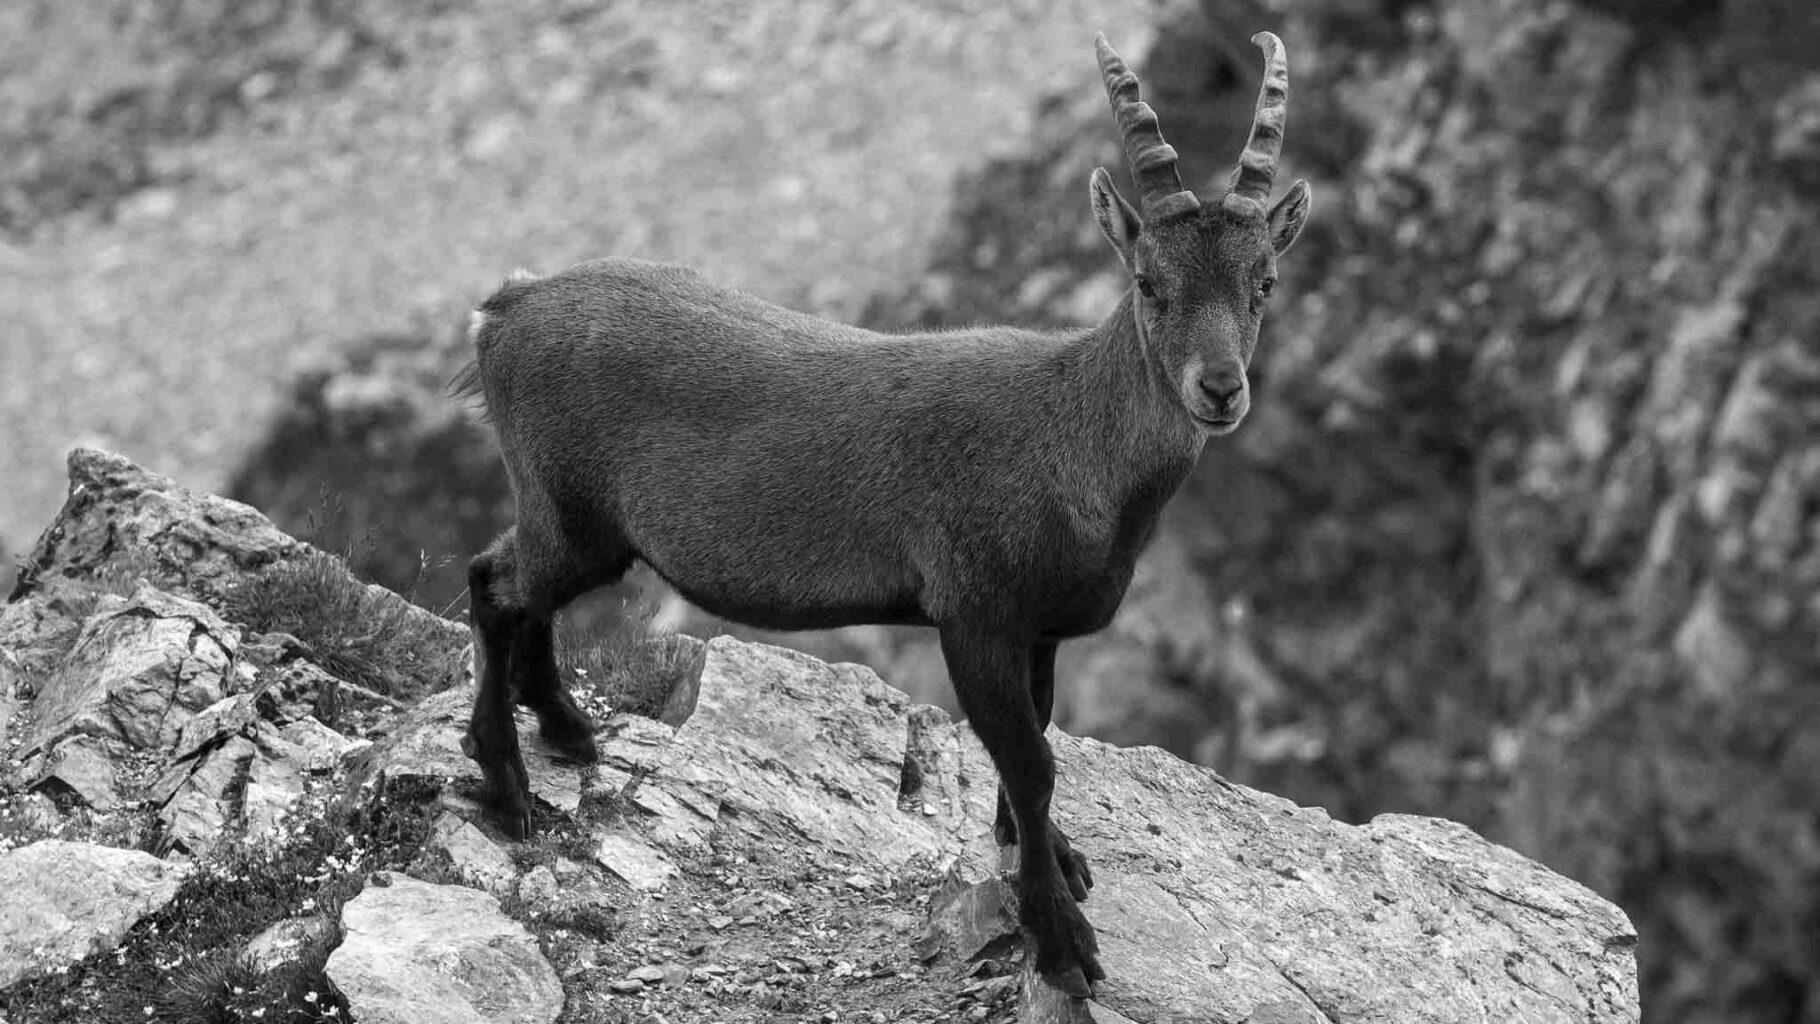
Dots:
{"x": 1004, "y": 825}
{"x": 992, "y": 676}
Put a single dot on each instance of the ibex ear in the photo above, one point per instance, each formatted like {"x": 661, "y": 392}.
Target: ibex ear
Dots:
{"x": 1118, "y": 221}
{"x": 1287, "y": 218}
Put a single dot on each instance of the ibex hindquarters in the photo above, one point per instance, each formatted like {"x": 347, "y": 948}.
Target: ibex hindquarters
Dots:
{"x": 793, "y": 473}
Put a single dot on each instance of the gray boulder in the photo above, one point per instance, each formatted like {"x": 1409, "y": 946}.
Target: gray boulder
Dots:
{"x": 418, "y": 953}
{"x": 65, "y": 901}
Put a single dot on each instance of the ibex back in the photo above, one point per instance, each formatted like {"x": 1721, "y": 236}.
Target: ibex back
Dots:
{"x": 789, "y": 472}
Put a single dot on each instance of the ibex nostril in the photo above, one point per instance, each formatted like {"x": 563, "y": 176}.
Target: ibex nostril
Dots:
{"x": 1223, "y": 387}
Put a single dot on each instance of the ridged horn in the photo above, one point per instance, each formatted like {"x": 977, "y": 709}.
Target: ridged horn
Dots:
{"x": 1152, "y": 160}
{"x": 1258, "y": 163}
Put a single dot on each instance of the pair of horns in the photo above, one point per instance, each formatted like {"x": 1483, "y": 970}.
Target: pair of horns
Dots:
{"x": 1152, "y": 160}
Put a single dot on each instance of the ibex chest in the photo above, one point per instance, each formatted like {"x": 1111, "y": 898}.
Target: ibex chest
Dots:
{"x": 1089, "y": 560}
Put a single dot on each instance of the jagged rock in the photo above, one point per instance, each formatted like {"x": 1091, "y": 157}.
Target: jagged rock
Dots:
{"x": 241, "y": 783}
{"x": 81, "y": 766}
{"x": 418, "y": 953}
{"x": 477, "y": 860}
{"x": 122, "y": 519}
{"x": 67, "y": 900}
{"x": 230, "y": 716}
{"x": 285, "y": 942}
{"x": 194, "y": 544}
{"x": 140, "y": 668}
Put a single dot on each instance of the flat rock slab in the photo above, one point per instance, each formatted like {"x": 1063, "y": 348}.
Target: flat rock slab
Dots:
{"x": 64, "y": 901}
{"x": 633, "y": 860}
{"x": 419, "y": 953}
{"x": 1214, "y": 903}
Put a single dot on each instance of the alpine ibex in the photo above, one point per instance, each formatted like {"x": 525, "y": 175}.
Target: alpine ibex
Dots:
{"x": 794, "y": 473}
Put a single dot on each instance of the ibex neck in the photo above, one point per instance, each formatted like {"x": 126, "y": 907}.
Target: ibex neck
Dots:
{"x": 1129, "y": 412}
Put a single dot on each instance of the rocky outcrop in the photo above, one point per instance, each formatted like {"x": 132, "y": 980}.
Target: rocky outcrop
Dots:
{"x": 65, "y": 901}
{"x": 1214, "y": 902}
{"x": 126, "y": 688}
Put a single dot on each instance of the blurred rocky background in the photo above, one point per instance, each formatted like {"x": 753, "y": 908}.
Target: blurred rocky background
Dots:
{"x": 1524, "y": 529}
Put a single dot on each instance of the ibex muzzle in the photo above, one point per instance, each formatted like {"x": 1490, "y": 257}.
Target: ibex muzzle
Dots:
{"x": 794, "y": 473}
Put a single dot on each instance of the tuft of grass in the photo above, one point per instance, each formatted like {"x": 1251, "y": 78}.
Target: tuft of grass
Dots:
{"x": 363, "y": 635}
{"x": 627, "y": 667}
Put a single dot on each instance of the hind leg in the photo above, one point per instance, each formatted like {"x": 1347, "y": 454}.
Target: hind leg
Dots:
{"x": 492, "y": 737}
{"x": 515, "y": 587}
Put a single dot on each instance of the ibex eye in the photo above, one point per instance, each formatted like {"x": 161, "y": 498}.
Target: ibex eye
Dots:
{"x": 1144, "y": 287}
{"x": 1265, "y": 285}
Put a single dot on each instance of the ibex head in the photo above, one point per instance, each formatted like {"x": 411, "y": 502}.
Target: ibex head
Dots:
{"x": 1203, "y": 272}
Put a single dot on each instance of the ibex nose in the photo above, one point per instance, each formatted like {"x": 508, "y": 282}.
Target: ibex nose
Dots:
{"x": 1222, "y": 387}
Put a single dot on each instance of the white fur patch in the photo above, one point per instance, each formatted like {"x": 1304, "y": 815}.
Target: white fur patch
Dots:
{"x": 520, "y": 276}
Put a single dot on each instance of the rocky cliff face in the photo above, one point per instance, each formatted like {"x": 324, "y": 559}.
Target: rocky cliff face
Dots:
{"x": 1525, "y": 528}
{"x": 279, "y": 841}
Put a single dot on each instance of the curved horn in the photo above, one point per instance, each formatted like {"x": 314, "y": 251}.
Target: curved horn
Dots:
{"x": 1152, "y": 160}
{"x": 1258, "y": 163}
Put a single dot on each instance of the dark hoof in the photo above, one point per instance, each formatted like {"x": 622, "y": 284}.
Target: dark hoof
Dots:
{"x": 1067, "y": 951}
{"x": 512, "y": 812}
{"x": 508, "y": 783}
